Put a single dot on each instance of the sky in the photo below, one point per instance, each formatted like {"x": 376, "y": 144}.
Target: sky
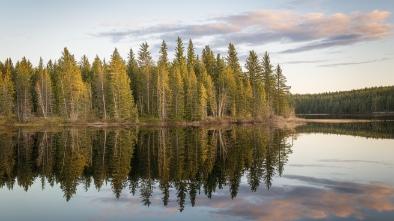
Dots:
{"x": 321, "y": 45}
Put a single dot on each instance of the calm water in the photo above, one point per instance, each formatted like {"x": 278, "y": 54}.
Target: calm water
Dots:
{"x": 318, "y": 172}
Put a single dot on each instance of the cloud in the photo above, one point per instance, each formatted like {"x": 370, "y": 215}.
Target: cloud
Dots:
{"x": 353, "y": 63}
{"x": 310, "y": 31}
{"x": 296, "y": 3}
{"x": 303, "y": 62}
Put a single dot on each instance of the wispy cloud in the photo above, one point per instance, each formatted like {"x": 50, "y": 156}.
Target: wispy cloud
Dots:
{"x": 311, "y": 31}
{"x": 353, "y": 63}
{"x": 296, "y": 3}
{"x": 303, "y": 62}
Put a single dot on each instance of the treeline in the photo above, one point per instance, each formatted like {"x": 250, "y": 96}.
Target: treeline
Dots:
{"x": 363, "y": 101}
{"x": 181, "y": 163}
{"x": 188, "y": 88}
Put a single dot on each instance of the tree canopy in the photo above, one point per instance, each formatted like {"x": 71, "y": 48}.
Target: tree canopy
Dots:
{"x": 189, "y": 88}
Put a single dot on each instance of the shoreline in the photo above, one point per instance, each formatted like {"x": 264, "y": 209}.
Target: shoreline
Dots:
{"x": 275, "y": 122}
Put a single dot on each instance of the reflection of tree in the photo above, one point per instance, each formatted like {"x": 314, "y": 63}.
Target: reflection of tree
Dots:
{"x": 25, "y": 164}
{"x": 191, "y": 160}
{"x": 259, "y": 149}
{"x": 45, "y": 158}
{"x": 145, "y": 158}
{"x": 7, "y": 159}
{"x": 71, "y": 161}
{"x": 378, "y": 130}
{"x": 164, "y": 157}
{"x": 121, "y": 146}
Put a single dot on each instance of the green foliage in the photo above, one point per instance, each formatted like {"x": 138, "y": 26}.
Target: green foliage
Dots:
{"x": 362, "y": 101}
{"x": 7, "y": 90}
{"x": 189, "y": 88}
{"x": 22, "y": 82}
{"x": 254, "y": 70}
{"x": 163, "y": 87}
{"x": 72, "y": 93}
{"x": 121, "y": 97}
{"x": 268, "y": 78}
{"x": 145, "y": 79}
{"x": 281, "y": 93}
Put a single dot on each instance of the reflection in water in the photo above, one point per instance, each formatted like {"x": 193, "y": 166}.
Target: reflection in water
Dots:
{"x": 325, "y": 199}
{"x": 381, "y": 130}
{"x": 191, "y": 160}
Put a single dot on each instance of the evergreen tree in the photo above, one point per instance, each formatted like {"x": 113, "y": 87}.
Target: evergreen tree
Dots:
{"x": 268, "y": 79}
{"x": 281, "y": 92}
{"x": 146, "y": 66}
{"x": 73, "y": 95}
{"x": 7, "y": 90}
{"x": 119, "y": 84}
{"x": 191, "y": 85}
{"x": 239, "y": 93}
{"x": 87, "y": 77}
{"x": 134, "y": 74}
{"x": 254, "y": 71}
{"x": 163, "y": 88}
{"x": 101, "y": 88}
{"x": 209, "y": 62}
{"x": 177, "y": 93}
{"x": 22, "y": 81}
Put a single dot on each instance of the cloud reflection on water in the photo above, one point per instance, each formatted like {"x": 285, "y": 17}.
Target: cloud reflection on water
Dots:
{"x": 324, "y": 199}
{"x": 318, "y": 199}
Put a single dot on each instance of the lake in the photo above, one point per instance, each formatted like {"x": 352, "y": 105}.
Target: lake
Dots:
{"x": 315, "y": 172}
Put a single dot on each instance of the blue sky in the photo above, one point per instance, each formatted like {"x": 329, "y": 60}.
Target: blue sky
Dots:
{"x": 322, "y": 45}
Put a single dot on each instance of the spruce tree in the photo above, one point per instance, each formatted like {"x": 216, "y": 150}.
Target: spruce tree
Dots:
{"x": 123, "y": 102}
{"x": 254, "y": 69}
{"x": 163, "y": 88}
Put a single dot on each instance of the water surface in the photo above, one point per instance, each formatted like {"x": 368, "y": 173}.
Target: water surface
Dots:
{"x": 318, "y": 172}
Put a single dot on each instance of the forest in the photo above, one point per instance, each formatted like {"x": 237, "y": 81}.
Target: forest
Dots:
{"x": 188, "y": 88}
{"x": 362, "y": 101}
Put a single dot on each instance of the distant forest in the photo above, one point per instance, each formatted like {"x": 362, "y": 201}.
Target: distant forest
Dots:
{"x": 189, "y": 88}
{"x": 363, "y": 101}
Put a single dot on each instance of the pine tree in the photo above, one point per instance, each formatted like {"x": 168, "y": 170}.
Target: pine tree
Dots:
{"x": 73, "y": 92}
{"x": 123, "y": 102}
{"x": 22, "y": 81}
{"x": 6, "y": 90}
{"x": 101, "y": 88}
{"x": 239, "y": 93}
{"x": 134, "y": 74}
{"x": 87, "y": 77}
{"x": 163, "y": 89}
{"x": 281, "y": 92}
{"x": 209, "y": 62}
{"x": 268, "y": 79}
{"x": 191, "y": 86}
{"x": 177, "y": 93}
{"x": 146, "y": 66}
{"x": 254, "y": 71}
